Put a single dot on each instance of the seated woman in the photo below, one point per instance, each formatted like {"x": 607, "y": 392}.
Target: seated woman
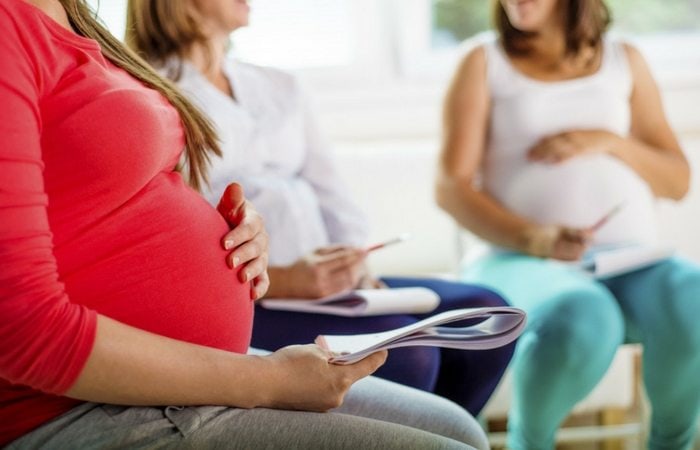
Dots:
{"x": 114, "y": 288}
{"x": 548, "y": 128}
{"x": 272, "y": 147}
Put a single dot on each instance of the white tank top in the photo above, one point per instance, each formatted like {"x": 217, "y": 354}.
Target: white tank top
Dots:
{"x": 580, "y": 191}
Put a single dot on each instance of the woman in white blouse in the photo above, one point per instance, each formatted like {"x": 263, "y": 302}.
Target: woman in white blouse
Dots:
{"x": 272, "y": 147}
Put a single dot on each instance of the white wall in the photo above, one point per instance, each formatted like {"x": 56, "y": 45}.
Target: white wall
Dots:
{"x": 679, "y": 221}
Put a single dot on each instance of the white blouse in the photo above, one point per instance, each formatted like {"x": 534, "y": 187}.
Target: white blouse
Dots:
{"x": 272, "y": 147}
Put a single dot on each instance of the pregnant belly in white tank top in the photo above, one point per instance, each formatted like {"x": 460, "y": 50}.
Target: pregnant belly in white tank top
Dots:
{"x": 579, "y": 192}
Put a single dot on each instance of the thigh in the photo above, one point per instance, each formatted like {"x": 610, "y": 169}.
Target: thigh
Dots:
{"x": 230, "y": 428}
{"x": 528, "y": 282}
{"x": 661, "y": 302}
{"x": 97, "y": 426}
{"x": 93, "y": 426}
{"x": 466, "y": 377}
{"x": 383, "y": 400}
{"x": 561, "y": 301}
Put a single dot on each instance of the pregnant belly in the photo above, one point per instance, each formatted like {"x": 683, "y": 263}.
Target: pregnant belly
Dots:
{"x": 158, "y": 265}
{"x": 579, "y": 192}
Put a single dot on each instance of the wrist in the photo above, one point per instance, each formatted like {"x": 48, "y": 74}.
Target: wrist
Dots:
{"x": 613, "y": 143}
{"x": 539, "y": 240}
{"x": 248, "y": 382}
{"x": 279, "y": 282}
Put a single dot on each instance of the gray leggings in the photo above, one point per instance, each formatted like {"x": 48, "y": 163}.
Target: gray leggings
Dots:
{"x": 377, "y": 414}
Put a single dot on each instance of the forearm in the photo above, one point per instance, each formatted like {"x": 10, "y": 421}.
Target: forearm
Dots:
{"x": 667, "y": 174}
{"x": 132, "y": 367}
{"x": 482, "y": 215}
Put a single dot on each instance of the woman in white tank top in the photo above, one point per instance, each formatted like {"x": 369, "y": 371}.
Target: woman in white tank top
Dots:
{"x": 547, "y": 129}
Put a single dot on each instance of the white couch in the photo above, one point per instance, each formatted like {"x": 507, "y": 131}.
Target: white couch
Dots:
{"x": 393, "y": 182}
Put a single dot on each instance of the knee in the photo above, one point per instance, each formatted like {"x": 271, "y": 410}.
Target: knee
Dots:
{"x": 455, "y": 422}
{"x": 489, "y": 298}
{"x": 681, "y": 331}
{"x": 677, "y": 311}
{"x": 576, "y": 330}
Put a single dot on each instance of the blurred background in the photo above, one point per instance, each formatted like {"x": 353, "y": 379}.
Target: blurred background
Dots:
{"x": 378, "y": 69}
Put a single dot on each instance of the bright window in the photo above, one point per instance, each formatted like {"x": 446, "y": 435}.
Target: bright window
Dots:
{"x": 456, "y": 20}
{"x": 299, "y": 34}
{"x": 667, "y": 31}
{"x": 112, "y": 13}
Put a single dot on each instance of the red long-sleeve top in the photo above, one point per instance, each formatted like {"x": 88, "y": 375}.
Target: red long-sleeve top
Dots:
{"x": 93, "y": 219}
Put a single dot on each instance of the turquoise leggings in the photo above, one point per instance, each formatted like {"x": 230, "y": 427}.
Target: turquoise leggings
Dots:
{"x": 575, "y": 325}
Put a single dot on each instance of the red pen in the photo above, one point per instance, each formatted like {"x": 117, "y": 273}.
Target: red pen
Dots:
{"x": 395, "y": 240}
{"x": 603, "y": 220}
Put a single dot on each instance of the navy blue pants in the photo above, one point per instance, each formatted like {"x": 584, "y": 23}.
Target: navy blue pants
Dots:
{"x": 466, "y": 377}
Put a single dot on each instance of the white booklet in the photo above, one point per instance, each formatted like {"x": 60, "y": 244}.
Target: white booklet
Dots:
{"x": 363, "y": 302}
{"x": 495, "y": 327}
{"x": 613, "y": 261}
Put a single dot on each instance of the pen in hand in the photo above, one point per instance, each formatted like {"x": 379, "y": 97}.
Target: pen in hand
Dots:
{"x": 603, "y": 220}
{"x": 395, "y": 240}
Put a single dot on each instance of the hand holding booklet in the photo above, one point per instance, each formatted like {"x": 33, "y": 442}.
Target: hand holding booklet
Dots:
{"x": 612, "y": 260}
{"x": 496, "y": 327}
{"x": 363, "y": 302}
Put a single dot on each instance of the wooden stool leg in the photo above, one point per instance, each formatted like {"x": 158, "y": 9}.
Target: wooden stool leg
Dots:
{"x": 613, "y": 417}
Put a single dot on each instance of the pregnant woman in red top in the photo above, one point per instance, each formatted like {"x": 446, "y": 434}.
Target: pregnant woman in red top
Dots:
{"x": 114, "y": 284}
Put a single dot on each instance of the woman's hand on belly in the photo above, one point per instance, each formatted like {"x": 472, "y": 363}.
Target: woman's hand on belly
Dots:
{"x": 561, "y": 147}
{"x": 248, "y": 239}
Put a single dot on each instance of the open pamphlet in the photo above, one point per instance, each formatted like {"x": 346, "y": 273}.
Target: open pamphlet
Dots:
{"x": 363, "y": 302}
{"x": 487, "y": 328}
{"x": 607, "y": 262}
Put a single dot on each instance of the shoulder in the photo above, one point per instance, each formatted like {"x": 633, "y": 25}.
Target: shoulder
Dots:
{"x": 477, "y": 51}
{"x": 475, "y": 60}
{"x": 634, "y": 56}
{"x": 471, "y": 70}
{"x": 52, "y": 8}
{"x": 21, "y": 32}
{"x": 12, "y": 13}
{"x": 622, "y": 48}
{"x": 28, "y": 12}
{"x": 23, "y": 23}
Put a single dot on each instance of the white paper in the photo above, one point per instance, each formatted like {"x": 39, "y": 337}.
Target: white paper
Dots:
{"x": 363, "y": 302}
{"x": 606, "y": 263}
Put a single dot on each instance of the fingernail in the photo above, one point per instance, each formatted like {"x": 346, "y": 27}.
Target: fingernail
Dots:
{"x": 245, "y": 276}
{"x": 228, "y": 244}
{"x": 236, "y": 261}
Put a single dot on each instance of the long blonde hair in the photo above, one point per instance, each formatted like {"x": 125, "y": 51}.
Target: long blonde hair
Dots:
{"x": 201, "y": 139}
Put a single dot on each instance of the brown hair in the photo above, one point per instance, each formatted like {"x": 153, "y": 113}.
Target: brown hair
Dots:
{"x": 161, "y": 31}
{"x": 585, "y": 22}
{"x": 201, "y": 140}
